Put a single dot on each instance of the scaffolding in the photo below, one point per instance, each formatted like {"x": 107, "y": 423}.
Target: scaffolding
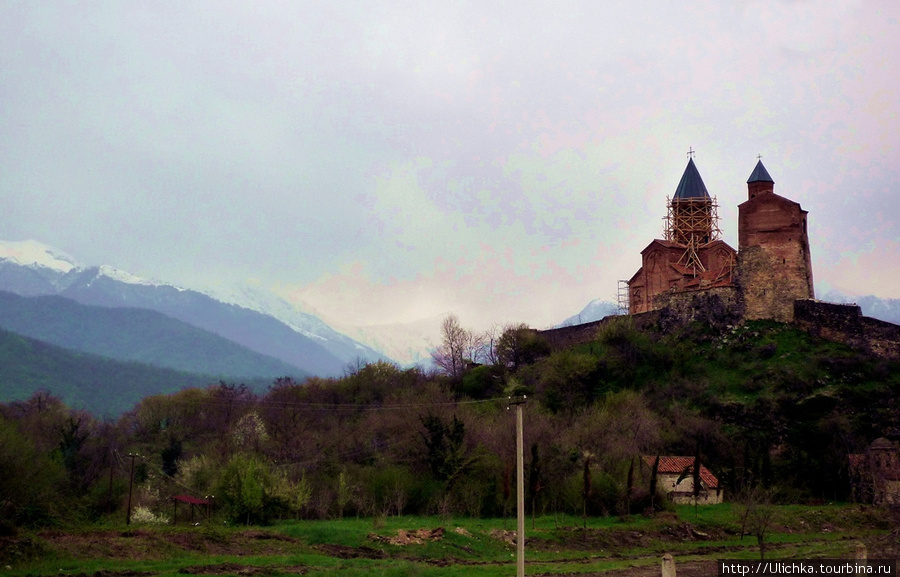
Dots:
{"x": 623, "y": 302}
{"x": 692, "y": 222}
{"x": 688, "y": 218}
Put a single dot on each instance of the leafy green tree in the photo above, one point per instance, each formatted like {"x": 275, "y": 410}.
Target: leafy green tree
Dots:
{"x": 250, "y": 491}
{"x": 30, "y": 482}
{"x": 520, "y": 345}
{"x": 445, "y": 451}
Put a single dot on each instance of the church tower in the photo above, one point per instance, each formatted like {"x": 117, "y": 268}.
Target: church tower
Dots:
{"x": 692, "y": 218}
{"x": 774, "y": 265}
{"x": 690, "y": 256}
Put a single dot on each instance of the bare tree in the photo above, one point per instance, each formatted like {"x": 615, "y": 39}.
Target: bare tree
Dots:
{"x": 456, "y": 348}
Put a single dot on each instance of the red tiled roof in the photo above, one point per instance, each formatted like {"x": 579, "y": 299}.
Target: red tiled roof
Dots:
{"x": 677, "y": 465}
{"x": 191, "y": 500}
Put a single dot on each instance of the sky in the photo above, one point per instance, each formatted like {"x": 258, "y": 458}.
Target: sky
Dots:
{"x": 389, "y": 162}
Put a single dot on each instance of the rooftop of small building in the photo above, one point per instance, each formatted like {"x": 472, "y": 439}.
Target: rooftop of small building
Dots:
{"x": 677, "y": 465}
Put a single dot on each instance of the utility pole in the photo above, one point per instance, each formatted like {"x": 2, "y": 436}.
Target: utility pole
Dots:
{"x": 130, "y": 485}
{"x": 520, "y": 486}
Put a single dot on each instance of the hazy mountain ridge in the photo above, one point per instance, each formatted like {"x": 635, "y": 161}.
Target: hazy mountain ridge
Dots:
{"x": 263, "y": 301}
{"x": 132, "y": 334}
{"x": 267, "y": 326}
{"x": 871, "y": 306}
{"x": 83, "y": 380}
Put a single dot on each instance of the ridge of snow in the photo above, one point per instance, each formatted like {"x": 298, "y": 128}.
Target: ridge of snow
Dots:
{"x": 32, "y": 253}
{"x": 123, "y": 276}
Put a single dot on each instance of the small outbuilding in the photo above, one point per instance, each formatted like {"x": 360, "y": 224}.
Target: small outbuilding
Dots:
{"x": 675, "y": 478}
{"x": 875, "y": 474}
{"x": 203, "y": 506}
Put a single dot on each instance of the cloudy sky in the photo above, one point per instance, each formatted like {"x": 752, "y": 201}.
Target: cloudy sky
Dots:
{"x": 386, "y": 162}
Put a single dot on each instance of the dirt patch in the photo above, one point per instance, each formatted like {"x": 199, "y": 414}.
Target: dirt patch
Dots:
{"x": 404, "y": 537}
{"x": 143, "y": 544}
{"x": 15, "y": 550}
{"x": 236, "y": 569}
{"x": 686, "y": 569}
{"x": 108, "y": 573}
{"x": 347, "y": 552}
{"x": 578, "y": 539}
{"x": 508, "y": 537}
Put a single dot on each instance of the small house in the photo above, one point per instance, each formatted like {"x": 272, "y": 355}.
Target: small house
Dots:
{"x": 675, "y": 478}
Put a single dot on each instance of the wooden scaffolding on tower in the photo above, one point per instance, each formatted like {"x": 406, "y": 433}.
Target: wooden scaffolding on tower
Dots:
{"x": 692, "y": 222}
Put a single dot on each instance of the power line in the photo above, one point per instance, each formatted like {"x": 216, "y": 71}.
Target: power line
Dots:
{"x": 328, "y": 406}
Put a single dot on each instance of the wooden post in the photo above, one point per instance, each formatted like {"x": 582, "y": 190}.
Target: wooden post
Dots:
{"x": 130, "y": 486}
{"x": 520, "y": 487}
{"x": 109, "y": 499}
{"x": 861, "y": 558}
{"x": 668, "y": 565}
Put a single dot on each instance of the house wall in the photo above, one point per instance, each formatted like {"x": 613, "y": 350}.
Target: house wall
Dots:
{"x": 683, "y": 493}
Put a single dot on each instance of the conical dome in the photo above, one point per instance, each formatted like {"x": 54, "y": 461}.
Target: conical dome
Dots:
{"x": 691, "y": 185}
{"x": 760, "y": 174}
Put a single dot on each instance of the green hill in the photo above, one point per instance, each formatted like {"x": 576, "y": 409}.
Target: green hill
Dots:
{"x": 102, "y": 386}
{"x": 132, "y": 334}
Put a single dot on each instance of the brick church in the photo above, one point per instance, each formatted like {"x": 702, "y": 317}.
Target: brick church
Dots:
{"x": 770, "y": 270}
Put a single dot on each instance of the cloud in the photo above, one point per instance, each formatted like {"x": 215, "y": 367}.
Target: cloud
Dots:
{"x": 384, "y": 160}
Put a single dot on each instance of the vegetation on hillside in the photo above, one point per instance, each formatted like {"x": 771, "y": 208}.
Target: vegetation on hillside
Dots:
{"x": 764, "y": 404}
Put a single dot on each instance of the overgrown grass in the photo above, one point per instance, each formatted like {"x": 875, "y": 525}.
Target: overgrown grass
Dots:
{"x": 472, "y": 547}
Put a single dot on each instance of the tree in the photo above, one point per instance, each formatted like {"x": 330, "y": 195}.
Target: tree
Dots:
{"x": 757, "y": 515}
{"x": 520, "y": 345}
{"x": 30, "y": 483}
{"x": 534, "y": 480}
{"x": 653, "y": 482}
{"x": 458, "y": 347}
{"x": 445, "y": 450}
{"x": 251, "y": 490}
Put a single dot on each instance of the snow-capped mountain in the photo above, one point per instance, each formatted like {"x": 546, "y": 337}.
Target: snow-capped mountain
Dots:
{"x": 33, "y": 254}
{"x": 263, "y": 301}
{"x": 593, "y": 311}
{"x": 250, "y": 317}
{"x": 407, "y": 343}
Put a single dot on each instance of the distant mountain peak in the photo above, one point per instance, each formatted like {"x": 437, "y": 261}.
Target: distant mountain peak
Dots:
{"x": 125, "y": 277}
{"x": 593, "y": 311}
{"x": 32, "y": 253}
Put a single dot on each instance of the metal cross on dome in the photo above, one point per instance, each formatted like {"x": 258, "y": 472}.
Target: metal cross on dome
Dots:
{"x": 691, "y": 152}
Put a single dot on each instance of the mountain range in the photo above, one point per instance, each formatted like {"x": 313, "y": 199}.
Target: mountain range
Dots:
{"x": 79, "y": 314}
{"x": 98, "y": 310}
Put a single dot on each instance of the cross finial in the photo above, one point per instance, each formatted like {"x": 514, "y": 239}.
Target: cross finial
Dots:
{"x": 691, "y": 152}
{"x": 759, "y": 157}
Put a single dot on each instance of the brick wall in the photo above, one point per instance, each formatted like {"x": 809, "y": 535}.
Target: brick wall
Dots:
{"x": 846, "y": 324}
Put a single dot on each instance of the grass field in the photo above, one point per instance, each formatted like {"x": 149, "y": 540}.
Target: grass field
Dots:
{"x": 425, "y": 546}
